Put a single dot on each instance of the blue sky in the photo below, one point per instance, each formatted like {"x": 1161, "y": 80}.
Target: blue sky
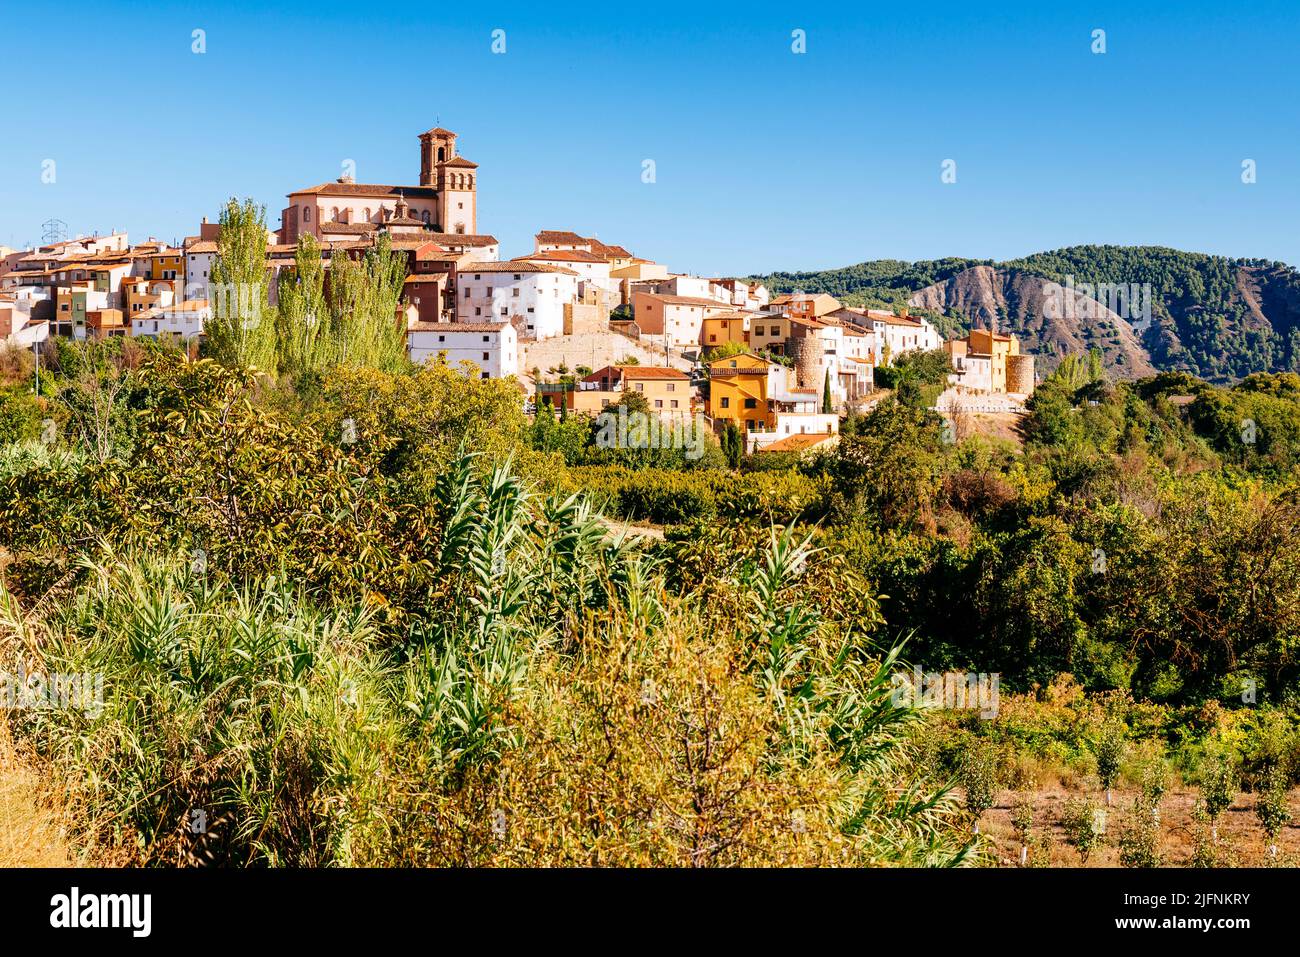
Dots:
{"x": 764, "y": 159}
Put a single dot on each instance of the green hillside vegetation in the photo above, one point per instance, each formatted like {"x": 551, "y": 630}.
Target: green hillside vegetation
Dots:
{"x": 361, "y": 615}
{"x": 1215, "y": 317}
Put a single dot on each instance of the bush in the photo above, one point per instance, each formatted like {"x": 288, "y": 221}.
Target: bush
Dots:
{"x": 668, "y": 496}
{"x": 1082, "y": 821}
{"x": 1139, "y": 842}
{"x": 21, "y": 414}
{"x": 553, "y": 707}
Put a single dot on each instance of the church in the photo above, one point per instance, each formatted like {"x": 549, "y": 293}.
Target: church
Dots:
{"x": 445, "y": 201}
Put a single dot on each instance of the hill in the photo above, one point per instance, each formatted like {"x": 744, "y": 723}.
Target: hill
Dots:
{"x": 1217, "y": 318}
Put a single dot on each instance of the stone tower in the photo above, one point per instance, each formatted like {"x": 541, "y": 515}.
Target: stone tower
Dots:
{"x": 436, "y": 147}
{"x": 1020, "y": 374}
{"x": 454, "y": 177}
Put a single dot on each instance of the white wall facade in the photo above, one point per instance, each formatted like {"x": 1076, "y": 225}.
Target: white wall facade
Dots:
{"x": 972, "y": 372}
{"x": 510, "y": 289}
{"x": 198, "y": 271}
{"x": 177, "y": 322}
{"x": 493, "y": 348}
{"x": 904, "y": 337}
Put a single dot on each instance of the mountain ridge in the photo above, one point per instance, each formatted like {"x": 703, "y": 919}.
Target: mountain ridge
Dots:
{"x": 1216, "y": 317}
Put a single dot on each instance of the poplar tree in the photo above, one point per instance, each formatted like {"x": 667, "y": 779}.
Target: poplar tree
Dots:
{"x": 304, "y": 328}
{"x": 364, "y": 297}
{"x": 241, "y": 330}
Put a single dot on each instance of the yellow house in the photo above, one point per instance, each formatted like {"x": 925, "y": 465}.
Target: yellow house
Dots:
{"x": 666, "y": 391}
{"x": 724, "y": 327}
{"x": 988, "y": 362}
{"x": 738, "y": 392}
{"x": 167, "y": 264}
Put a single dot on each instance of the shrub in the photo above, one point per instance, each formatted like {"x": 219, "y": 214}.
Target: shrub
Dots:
{"x": 1218, "y": 790}
{"x": 554, "y": 708}
{"x": 1082, "y": 822}
{"x": 1139, "y": 841}
{"x": 1110, "y": 748}
{"x": 1271, "y": 807}
{"x": 979, "y": 777}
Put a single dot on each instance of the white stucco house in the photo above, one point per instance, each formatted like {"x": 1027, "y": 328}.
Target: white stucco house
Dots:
{"x": 182, "y": 320}
{"x": 535, "y": 292}
{"x": 493, "y": 347}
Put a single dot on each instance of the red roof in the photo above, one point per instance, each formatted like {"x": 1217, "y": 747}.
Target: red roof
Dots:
{"x": 636, "y": 372}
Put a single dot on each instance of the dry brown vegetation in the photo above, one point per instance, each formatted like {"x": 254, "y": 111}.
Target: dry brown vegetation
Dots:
{"x": 1241, "y": 841}
{"x": 30, "y": 831}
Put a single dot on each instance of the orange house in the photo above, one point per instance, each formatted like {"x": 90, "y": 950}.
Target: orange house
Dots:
{"x": 667, "y": 391}
{"x": 738, "y": 392}
{"x": 723, "y": 327}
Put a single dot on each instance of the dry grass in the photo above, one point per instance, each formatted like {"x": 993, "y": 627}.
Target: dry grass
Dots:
{"x": 997, "y": 425}
{"x": 30, "y": 833}
{"x": 1240, "y": 835}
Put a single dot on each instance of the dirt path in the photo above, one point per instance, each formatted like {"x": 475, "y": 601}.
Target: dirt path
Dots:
{"x": 642, "y": 532}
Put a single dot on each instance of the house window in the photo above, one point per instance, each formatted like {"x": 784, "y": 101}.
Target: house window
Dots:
{"x": 467, "y": 292}
{"x": 726, "y": 402}
{"x": 672, "y": 386}
{"x": 673, "y": 404}
{"x": 485, "y": 356}
{"x": 485, "y": 338}
{"x": 515, "y": 292}
{"x": 640, "y": 387}
{"x": 659, "y": 403}
{"x": 478, "y": 310}
{"x": 483, "y": 376}
{"x": 751, "y": 404}
{"x": 442, "y": 338}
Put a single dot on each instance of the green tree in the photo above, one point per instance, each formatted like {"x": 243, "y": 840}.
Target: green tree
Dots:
{"x": 304, "y": 326}
{"x": 364, "y": 299}
{"x": 241, "y": 331}
{"x": 733, "y": 445}
{"x": 1110, "y": 753}
{"x": 1270, "y": 805}
{"x": 1218, "y": 790}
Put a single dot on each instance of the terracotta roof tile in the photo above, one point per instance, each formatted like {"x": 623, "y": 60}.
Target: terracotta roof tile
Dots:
{"x": 367, "y": 189}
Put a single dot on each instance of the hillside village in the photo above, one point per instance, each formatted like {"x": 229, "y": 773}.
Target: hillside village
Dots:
{"x": 420, "y": 598}
{"x": 577, "y": 321}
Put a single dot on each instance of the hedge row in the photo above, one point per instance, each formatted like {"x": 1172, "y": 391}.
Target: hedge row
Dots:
{"x": 667, "y": 497}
